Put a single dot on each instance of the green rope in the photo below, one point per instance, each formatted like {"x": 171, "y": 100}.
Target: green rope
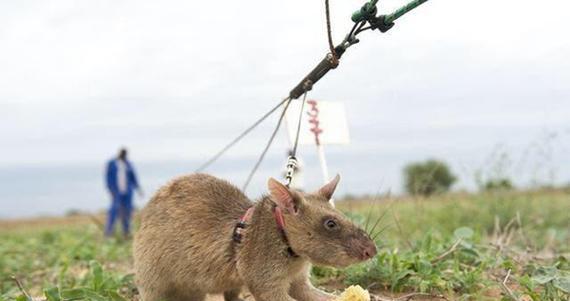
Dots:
{"x": 369, "y": 10}
{"x": 403, "y": 10}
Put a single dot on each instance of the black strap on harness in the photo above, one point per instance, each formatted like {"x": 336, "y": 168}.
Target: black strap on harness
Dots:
{"x": 237, "y": 235}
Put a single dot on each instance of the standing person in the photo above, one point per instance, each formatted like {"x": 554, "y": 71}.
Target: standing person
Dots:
{"x": 121, "y": 181}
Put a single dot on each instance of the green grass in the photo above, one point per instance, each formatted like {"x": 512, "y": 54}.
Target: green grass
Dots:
{"x": 459, "y": 246}
{"x": 483, "y": 237}
{"x": 65, "y": 265}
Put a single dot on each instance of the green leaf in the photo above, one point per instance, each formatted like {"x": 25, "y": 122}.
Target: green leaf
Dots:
{"x": 396, "y": 278}
{"x": 62, "y": 271}
{"x": 115, "y": 297}
{"x": 562, "y": 283}
{"x": 544, "y": 275}
{"x": 52, "y": 294}
{"x": 94, "y": 296}
{"x": 527, "y": 283}
{"x": 424, "y": 267}
{"x": 470, "y": 253}
{"x": 463, "y": 233}
{"x": 424, "y": 286}
{"x": 73, "y": 294}
{"x": 508, "y": 264}
{"x": 97, "y": 274}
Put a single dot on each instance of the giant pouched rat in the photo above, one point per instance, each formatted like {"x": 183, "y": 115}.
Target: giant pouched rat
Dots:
{"x": 188, "y": 244}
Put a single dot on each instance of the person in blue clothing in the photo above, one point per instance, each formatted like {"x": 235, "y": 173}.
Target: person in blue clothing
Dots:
{"x": 121, "y": 181}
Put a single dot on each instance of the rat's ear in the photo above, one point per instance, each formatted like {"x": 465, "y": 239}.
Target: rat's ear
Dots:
{"x": 282, "y": 196}
{"x": 328, "y": 190}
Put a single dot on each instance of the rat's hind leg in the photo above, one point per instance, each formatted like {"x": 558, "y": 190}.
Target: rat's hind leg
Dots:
{"x": 187, "y": 296}
{"x": 148, "y": 296}
{"x": 232, "y": 295}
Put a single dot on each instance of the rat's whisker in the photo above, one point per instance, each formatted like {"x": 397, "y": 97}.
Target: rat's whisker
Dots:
{"x": 368, "y": 219}
{"x": 374, "y": 227}
{"x": 375, "y": 207}
{"x": 378, "y": 221}
{"x": 381, "y": 231}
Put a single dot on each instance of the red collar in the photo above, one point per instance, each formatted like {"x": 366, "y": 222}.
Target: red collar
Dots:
{"x": 279, "y": 221}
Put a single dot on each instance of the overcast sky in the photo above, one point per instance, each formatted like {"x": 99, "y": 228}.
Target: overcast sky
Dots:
{"x": 175, "y": 80}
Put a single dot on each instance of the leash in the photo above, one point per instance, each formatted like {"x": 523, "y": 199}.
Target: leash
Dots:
{"x": 329, "y": 33}
{"x": 292, "y": 162}
{"x": 262, "y": 156}
{"x": 240, "y": 136}
{"x": 366, "y": 15}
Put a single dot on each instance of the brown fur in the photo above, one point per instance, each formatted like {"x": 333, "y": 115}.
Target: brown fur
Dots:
{"x": 184, "y": 248}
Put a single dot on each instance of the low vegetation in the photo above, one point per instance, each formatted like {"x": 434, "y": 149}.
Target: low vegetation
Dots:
{"x": 492, "y": 246}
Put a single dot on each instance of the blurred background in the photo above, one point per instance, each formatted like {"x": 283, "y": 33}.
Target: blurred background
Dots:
{"x": 480, "y": 85}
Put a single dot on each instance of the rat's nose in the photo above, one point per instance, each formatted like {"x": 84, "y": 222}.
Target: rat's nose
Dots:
{"x": 369, "y": 251}
{"x": 362, "y": 248}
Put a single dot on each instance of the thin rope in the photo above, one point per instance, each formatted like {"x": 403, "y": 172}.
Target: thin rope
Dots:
{"x": 299, "y": 125}
{"x": 292, "y": 160}
{"x": 238, "y": 138}
{"x": 262, "y": 156}
{"x": 329, "y": 33}
{"x": 355, "y": 30}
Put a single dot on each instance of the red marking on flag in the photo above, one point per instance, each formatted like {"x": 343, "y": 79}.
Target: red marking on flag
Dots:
{"x": 314, "y": 120}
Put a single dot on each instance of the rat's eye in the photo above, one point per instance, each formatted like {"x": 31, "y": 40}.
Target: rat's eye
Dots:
{"x": 331, "y": 224}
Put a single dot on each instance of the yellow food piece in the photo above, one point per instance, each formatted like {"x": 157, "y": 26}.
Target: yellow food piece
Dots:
{"x": 354, "y": 293}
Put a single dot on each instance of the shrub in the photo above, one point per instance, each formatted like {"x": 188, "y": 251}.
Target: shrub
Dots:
{"x": 498, "y": 184}
{"x": 427, "y": 178}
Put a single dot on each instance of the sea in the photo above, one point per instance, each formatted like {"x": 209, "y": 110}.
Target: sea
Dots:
{"x": 59, "y": 189}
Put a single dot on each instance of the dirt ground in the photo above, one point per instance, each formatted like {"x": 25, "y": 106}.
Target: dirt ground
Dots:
{"x": 50, "y": 222}
{"x": 218, "y": 298}
{"x": 425, "y": 298}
